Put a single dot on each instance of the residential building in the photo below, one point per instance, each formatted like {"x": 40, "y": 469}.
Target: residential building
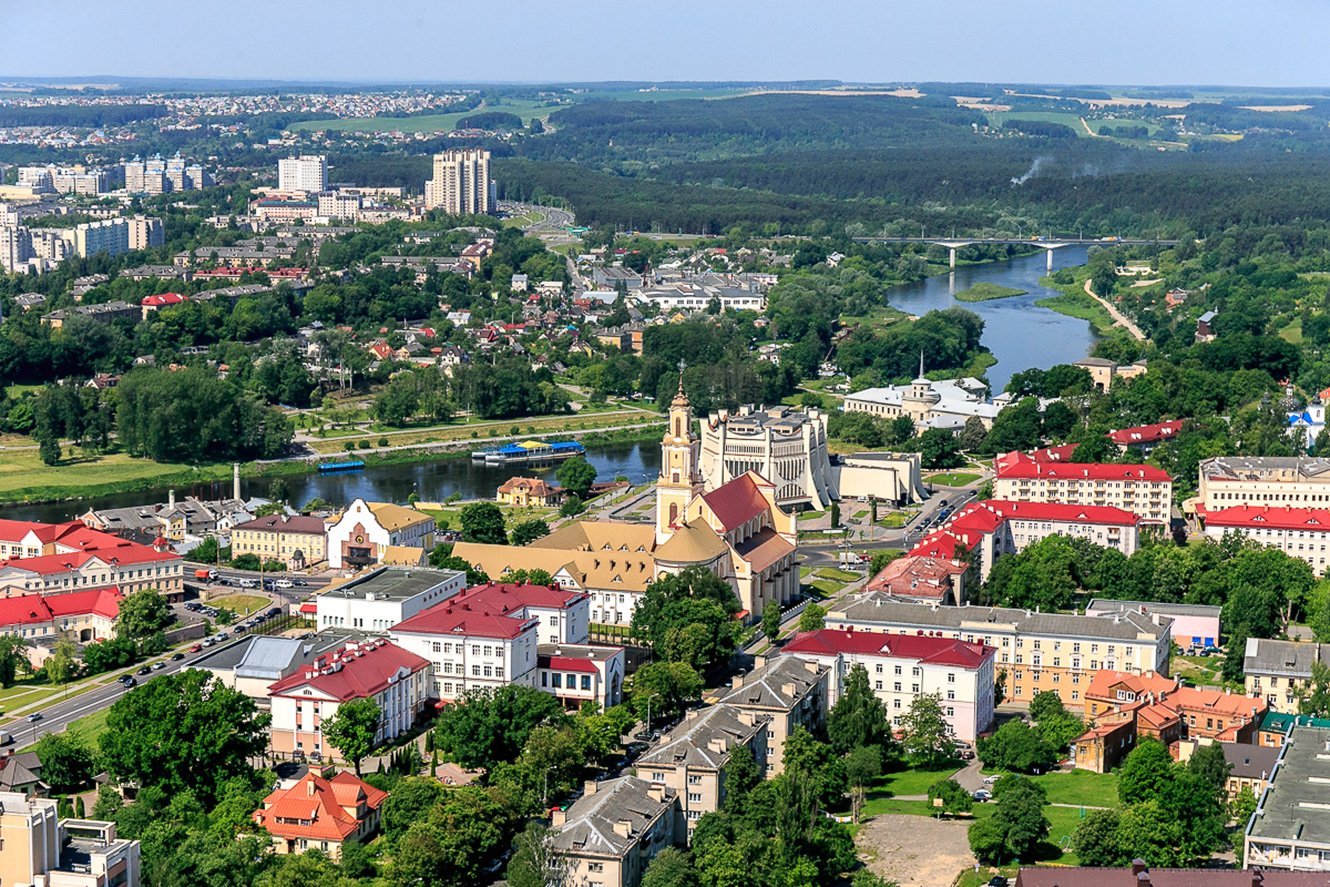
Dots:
{"x": 487, "y": 636}
{"x": 21, "y": 773}
{"x": 690, "y": 758}
{"x": 1249, "y": 765}
{"x": 84, "y": 616}
{"x": 791, "y": 691}
{"x": 690, "y": 296}
{"x": 902, "y": 668}
{"x": 339, "y": 205}
{"x": 359, "y": 535}
{"x": 254, "y": 663}
{"x": 297, "y": 541}
{"x": 461, "y": 183}
{"x": 892, "y": 478}
{"x": 320, "y": 811}
{"x": 283, "y": 209}
{"x": 62, "y": 558}
{"x": 39, "y": 849}
{"x": 577, "y": 673}
{"x": 110, "y": 236}
{"x": 1105, "y": 373}
{"x": 105, "y": 312}
{"x": 1288, "y": 830}
{"x": 924, "y": 578}
{"x": 1278, "y": 671}
{"x": 526, "y": 492}
{"x": 1138, "y": 874}
{"x": 1143, "y": 490}
{"x": 384, "y": 597}
{"x": 307, "y": 173}
{"x": 785, "y": 446}
{"x": 1274, "y": 481}
{"x": 399, "y": 683}
{"x": 1194, "y": 625}
{"x": 945, "y": 403}
{"x": 610, "y": 834}
{"x": 145, "y": 232}
{"x": 1039, "y": 651}
{"x": 1275, "y": 726}
{"x": 1144, "y": 438}
{"x": 156, "y": 302}
{"x": 1302, "y": 533}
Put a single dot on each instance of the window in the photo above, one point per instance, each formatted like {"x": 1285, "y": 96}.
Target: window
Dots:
{"x": 898, "y": 686}
{"x": 951, "y": 677}
{"x": 586, "y": 682}
{"x": 877, "y": 685}
{"x": 898, "y": 669}
{"x": 554, "y": 620}
{"x": 557, "y": 680}
{"x": 694, "y": 797}
{"x": 694, "y": 779}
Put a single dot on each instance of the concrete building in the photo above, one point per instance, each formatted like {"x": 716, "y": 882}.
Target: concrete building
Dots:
{"x": 1143, "y": 490}
{"x": 297, "y": 541}
{"x": 321, "y": 810}
{"x": 339, "y": 205}
{"x": 576, "y": 673}
{"x": 901, "y": 669}
{"x": 945, "y": 403}
{"x": 1105, "y": 373}
{"x": 1274, "y": 481}
{"x": 15, "y": 247}
{"x": 381, "y": 599}
{"x": 690, "y": 758}
{"x": 787, "y": 447}
{"x": 145, "y": 232}
{"x": 1194, "y": 625}
{"x": 39, "y": 849}
{"x": 689, "y": 296}
{"x": 84, "y": 616}
{"x": 791, "y": 691}
{"x": 461, "y": 183}
{"x": 1138, "y": 874}
{"x": 110, "y": 236}
{"x": 105, "y": 312}
{"x": 361, "y": 534}
{"x": 891, "y": 478}
{"x": 610, "y": 834}
{"x": 1278, "y": 671}
{"x": 1039, "y": 651}
{"x": 307, "y": 173}
{"x": 1288, "y": 830}
{"x": 1302, "y": 533}
{"x": 253, "y": 664}
{"x": 399, "y": 683}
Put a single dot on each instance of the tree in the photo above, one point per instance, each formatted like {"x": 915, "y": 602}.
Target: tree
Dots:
{"x": 925, "y": 734}
{"x": 954, "y": 798}
{"x": 1017, "y": 825}
{"x": 353, "y": 728}
{"x": 442, "y": 558}
{"x": 310, "y": 867}
{"x": 671, "y": 867}
{"x": 818, "y": 764}
{"x": 1017, "y": 748}
{"x": 528, "y": 531}
{"x": 181, "y": 732}
{"x": 1314, "y": 696}
{"x": 939, "y": 448}
{"x": 486, "y": 727}
{"x": 143, "y": 613}
{"x": 13, "y": 657}
{"x": 572, "y": 506}
{"x": 410, "y": 801}
{"x": 813, "y": 618}
{"x": 669, "y": 686}
{"x": 859, "y": 718}
{"x": 534, "y": 862}
{"x": 1045, "y": 703}
{"x": 1098, "y": 840}
{"x": 62, "y": 664}
{"x": 67, "y": 762}
{"x": 1145, "y": 772}
{"x": 577, "y": 475}
{"x": 1240, "y": 810}
{"x": 689, "y": 617}
{"x": 483, "y": 522}
{"x": 110, "y": 653}
{"x": 863, "y": 764}
{"x": 1208, "y": 763}
{"x": 771, "y": 621}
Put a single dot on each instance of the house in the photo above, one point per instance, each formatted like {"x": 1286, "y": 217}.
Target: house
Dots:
{"x": 60, "y": 558}
{"x": 1205, "y": 327}
{"x": 1300, "y": 533}
{"x": 1287, "y": 831}
{"x": 690, "y": 758}
{"x": 1144, "y": 438}
{"x": 320, "y": 811}
{"x": 21, "y": 772}
{"x": 38, "y": 848}
{"x": 923, "y": 578}
{"x": 85, "y": 616}
{"x": 791, "y": 691}
{"x": 610, "y": 834}
{"x": 527, "y": 492}
{"x": 384, "y": 597}
{"x": 1105, "y": 373}
{"x": 1249, "y": 766}
{"x": 358, "y": 536}
{"x": 297, "y": 541}
{"x": 152, "y": 304}
{"x": 398, "y": 681}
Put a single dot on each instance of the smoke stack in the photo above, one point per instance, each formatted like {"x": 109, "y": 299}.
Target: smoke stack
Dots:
{"x": 235, "y": 480}
{"x": 170, "y": 500}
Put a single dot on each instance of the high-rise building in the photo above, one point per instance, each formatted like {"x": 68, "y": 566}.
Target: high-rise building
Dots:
{"x": 36, "y": 847}
{"x": 110, "y": 236}
{"x": 308, "y": 172}
{"x": 15, "y": 247}
{"x": 145, "y": 232}
{"x": 461, "y": 183}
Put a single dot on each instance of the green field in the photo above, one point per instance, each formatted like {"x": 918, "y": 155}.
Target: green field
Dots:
{"x": 1079, "y": 304}
{"x": 984, "y": 291}
{"x": 21, "y": 471}
{"x": 425, "y": 123}
{"x": 1066, "y": 118}
{"x": 243, "y": 604}
{"x": 952, "y": 478}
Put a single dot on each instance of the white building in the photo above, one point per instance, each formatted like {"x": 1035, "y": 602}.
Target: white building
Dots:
{"x": 379, "y": 600}
{"x": 785, "y": 446}
{"x": 461, "y": 183}
{"x": 339, "y": 205}
{"x": 577, "y": 673}
{"x": 15, "y": 247}
{"x": 893, "y": 478}
{"x": 1276, "y": 481}
{"x": 1143, "y": 490}
{"x": 1303, "y": 533}
{"x": 689, "y": 296}
{"x": 367, "y": 532}
{"x": 946, "y": 403}
{"x": 145, "y": 232}
{"x": 110, "y": 236}
{"x": 901, "y": 668}
{"x": 308, "y": 173}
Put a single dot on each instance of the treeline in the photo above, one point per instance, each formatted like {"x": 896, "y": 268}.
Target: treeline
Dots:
{"x": 948, "y": 340}
{"x": 490, "y": 120}
{"x": 78, "y": 115}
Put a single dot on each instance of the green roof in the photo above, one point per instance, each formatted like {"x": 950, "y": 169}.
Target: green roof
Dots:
{"x": 1279, "y": 722}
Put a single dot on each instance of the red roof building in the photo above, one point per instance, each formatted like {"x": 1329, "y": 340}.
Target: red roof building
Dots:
{"x": 902, "y": 668}
{"x": 161, "y": 300}
{"x": 922, "y": 577}
{"x": 1302, "y": 533}
{"x": 86, "y": 616}
{"x": 60, "y": 558}
{"x": 1141, "y": 489}
{"x": 321, "y": 812}
{"x": 1146, "y": 437}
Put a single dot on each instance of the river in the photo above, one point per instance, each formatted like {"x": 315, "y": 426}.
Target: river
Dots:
{"x": 1020, "y": 334}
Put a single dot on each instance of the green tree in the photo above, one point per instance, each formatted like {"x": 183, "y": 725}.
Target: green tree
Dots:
{"x": 671, "y": 867}
{"x": 62, "y": 664}
{"x": 1098, "y": 840}
{"x": 13, "y": 658}
{"x": 669, "y": 686}
{"x": 939, "y": 448}
{"x": 1145, "y": 773}
{"x": 483, "y": 522}
{"x": 534, "y": 863}
{"x": 1240, "y": 810}
{"x": 689, "y": 617}
{"x": 771, "y": 621}
{"x": 442, "y": 558}
{"x": 863, "y": 764}
{"x": 1314, "y": 696}
{"x": 143, "y": 613}
{"x": 813, "y": 618}
{"x": 528, "y": 531}
{"x": 182, "y": 732}
{"x": 742, "y": 775}
{"x": 411, "y": 800}
{"x": 353, "y": 729}
{"x": 1018, "y": 748}
{"x": 484, "y": 727}
{"x": 858, "y": 719}
{"x": 577, "y": 475}
{"x": 1046, "y": 703}
{"x": 1017, "y": 825}
{"x": 818, "y": 764}
{"x": 67, "y": 762}
{"x": 955, "y": 799}
{"x": 925, "y": 735}
{"x": 1208, "y": 763}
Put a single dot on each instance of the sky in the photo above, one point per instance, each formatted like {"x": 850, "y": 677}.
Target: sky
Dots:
{"x": 1220, "y": 42}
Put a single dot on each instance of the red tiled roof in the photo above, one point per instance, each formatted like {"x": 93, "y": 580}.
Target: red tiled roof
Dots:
{"x": 1146, "y": 433}
{"x": 566, "y": 663}
{"x": 1020, "y": 466}
{"x": 494, "y": 610}
{"x": 938, "y": 651}
{"x": 124, "y": 552}
{"x": 1104, "y": 682}
{"x": 32, "y": 609}
{"x": 364, "y": 671}
{"x": 1250, "y": 516}
{"x": 321, "y": 803}
{"x": 918, "y": 576}
{"x": 736, "y": 502}
{"x": 162, "y": 299}
{"x": 764, "y": 549}
{"x": 1061, "y": 453}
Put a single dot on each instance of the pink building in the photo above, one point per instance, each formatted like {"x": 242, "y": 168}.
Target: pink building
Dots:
{"x": 1194, "y": 625}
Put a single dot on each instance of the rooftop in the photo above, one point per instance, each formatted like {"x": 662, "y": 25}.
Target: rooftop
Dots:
{"x": 317, "y": 807}
{"x": 1091, "y": 876}
{"x": 354, "y": 671}
{"x": 779, "y": 684}
{"x": 574, "y": 657}
{"x": 1294, "y": 806}
{"x": 496, "y": 609}
{"x": 1316, "y": 520}
{"x": 705, "y": 738}
{"x": 392, "y": 584}
{"x": 933, "y": 650}
{"x": 1020, "y": 466}
{"x": 1284, "y": 658}
{"x": 611, "y": 817}
{"x": 1098, "y": 606}
{"x": 283, "y": 523}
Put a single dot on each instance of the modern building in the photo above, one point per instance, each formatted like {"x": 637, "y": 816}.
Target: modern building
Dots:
{"x": 610, "y": 834}
{"x": 398, "y": 681}
{"x": 381, "y": 599}
{"x": 297, "y": 541}
{"x": 1278, "y": 671}
{"x": 946, "y": 403}
{"x": 145, "y": 232}
{"x": 690, "y": 758}
{"x": 15, "y": 247}
{"x": 902, "y": 668}
{"x": 1038, "y": 651}
{"x": 110, "y": 236}
{"x": 891, "y": 478}
{"x": 39, "y": 849}
{"x": 690, "y": 296}
{"x": 487, "y": 637}
{"x": 307, "y": 173}
{"x": 320, "y": 811}
{"x": 1274, "y": 481}
{"x": 1194, "y": 625}
{"x": 1143, "y": 490}
{"x": 787, "y": 447}
{"x": 791, "y": 691}
{"x": 1288, "y": 829}
{"x": 339, "y": 205}
{"x": 360, "y": 535}
{"x": 577, "y": 673}
{"x": 1302, "y": 533}
{"x": 461, "y": 183}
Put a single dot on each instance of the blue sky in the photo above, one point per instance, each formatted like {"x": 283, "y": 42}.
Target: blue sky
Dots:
{"x": 1241, "y": 42}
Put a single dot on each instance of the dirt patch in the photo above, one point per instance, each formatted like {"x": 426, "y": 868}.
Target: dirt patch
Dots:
{"x": 916, "y": 851}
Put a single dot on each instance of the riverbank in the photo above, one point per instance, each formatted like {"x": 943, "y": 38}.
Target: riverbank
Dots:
{"x": 986, "y": 292}
{"x": 1074, "y": 301}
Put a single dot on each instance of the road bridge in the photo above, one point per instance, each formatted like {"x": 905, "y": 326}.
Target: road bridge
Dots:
{"x": 1047, "y": 244}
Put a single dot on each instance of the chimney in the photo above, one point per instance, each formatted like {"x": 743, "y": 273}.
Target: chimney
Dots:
{"x": 787, "y": 689}
{"x": 309, "y": 788}
{"x": 656, "y": 792}
{"x": 623, "y": 828}
{"x": 717, "y": 745}
{"x": 759, "y": 660}
{"x": 170, "y": 499}
{"x": 736, "y": 682}
{"x": 558, "y": 817}
{"x": 1257, "y": 878}
{"x": 1141, "y": 871}
{"x": 235, "y": 480}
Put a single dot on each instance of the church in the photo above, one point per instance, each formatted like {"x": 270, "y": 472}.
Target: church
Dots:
{"x": 735, "y": 530}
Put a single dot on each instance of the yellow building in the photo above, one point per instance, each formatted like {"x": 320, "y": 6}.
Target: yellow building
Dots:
{"x": 526, "y": 492}
{"x": 297, "y": 541}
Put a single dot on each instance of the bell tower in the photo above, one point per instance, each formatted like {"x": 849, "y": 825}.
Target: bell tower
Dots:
{"x": 679, "y": 480}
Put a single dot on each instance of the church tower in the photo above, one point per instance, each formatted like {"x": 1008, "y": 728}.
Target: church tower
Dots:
{"x": 679, "y": 480}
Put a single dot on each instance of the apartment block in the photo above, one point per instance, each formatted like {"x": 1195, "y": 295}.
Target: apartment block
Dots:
{"x": 789, "y": 690}
{"x": 308, "y": 173}
{"x": 1278, "y": 671}
{"x": 1275, "y": 481}
{"x": 39, "y": 849}
{"x": 1143, "y": 490}
{"x": 610, "y": 835}
{"x": 461, "y": 183}
{"x": 110, "y": 236}
{"x": 1289, "y": 830}
{"x": 1302, "y": 533}
{"x": 145, "y": 232}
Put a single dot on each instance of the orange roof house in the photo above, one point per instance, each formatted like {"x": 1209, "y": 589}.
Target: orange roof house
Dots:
{"x": 321, "y": 812}
{"x": 522, "y": 492}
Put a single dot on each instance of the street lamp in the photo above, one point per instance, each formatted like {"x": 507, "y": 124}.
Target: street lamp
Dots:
{"x": 649, "y": 698}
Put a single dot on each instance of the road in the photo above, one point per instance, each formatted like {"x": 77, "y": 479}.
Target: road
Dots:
{"x": 1118, "y": 317}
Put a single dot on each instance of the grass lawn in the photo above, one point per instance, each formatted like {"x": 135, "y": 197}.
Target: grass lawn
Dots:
{"x": 893, "y": 520}
{"x": 1199, "y": 670}
{"x": 824, "y": 588}
{"x": 984, "y": 291}
{"x": 952, "y": 478}
{"x": 90, "y": 728}
{"x": 908, "y": 782}
{"x": 1067, "y": 118}
{"x": 451, "y": 516}
{"x": 1080, "y": 787}
{"x": 243, "y": 604}
{"x": 1292, "y": 333}
{"x": 22, "y": 471}
{"x": 837, "y": 575}
{"x": 427, "y": 122}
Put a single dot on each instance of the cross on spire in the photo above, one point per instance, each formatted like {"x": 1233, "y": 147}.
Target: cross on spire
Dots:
{"x": 682, "y": 365}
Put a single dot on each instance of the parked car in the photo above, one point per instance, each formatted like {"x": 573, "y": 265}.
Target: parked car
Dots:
{"x": 998, "y": 881}
{"x": 144, "y": 669}
{"x": 208, "y": 642}
{"x": 989, "y": 780}
{"x": 196, "y": 648}
{"x": 983, "y": 795}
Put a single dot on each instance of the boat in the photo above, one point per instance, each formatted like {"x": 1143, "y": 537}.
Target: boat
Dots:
{"x": 529, "y": 451}
{"x": 347, "y": 465}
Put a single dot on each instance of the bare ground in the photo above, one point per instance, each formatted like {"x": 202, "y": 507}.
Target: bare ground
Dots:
{"x": 916, "y": 851}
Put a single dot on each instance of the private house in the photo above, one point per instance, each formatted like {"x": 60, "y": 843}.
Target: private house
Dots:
{"x": 358, "y": 536}
{"x": 320, "y": 811}
{"x": 526, "y": 492}
{"x": 610, "y": 834}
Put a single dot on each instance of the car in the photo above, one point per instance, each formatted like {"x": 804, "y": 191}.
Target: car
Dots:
{"x": 196, "y": 648}
{"x": 240, "y": 629}
{"x": 129, "y": 681}
{"x": 124, "y": 678}
{"x": 208, "y": 642}
{"x": 34, "y": 717}
{"x": 983, "y": 795}
{"x": 299, "y": 583}
{"x": 193, "y": 606}
{"x": 284, "y": 583}
{"x": 177, "y": 656}
{"x": 998, "y": 881}
{"x": 145, "y": 669}
{"x": 158, "y": 665}
{"x": 989, "y": 780}
{"x": 274, "y": 611}
{"x": 223, "y": 636}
